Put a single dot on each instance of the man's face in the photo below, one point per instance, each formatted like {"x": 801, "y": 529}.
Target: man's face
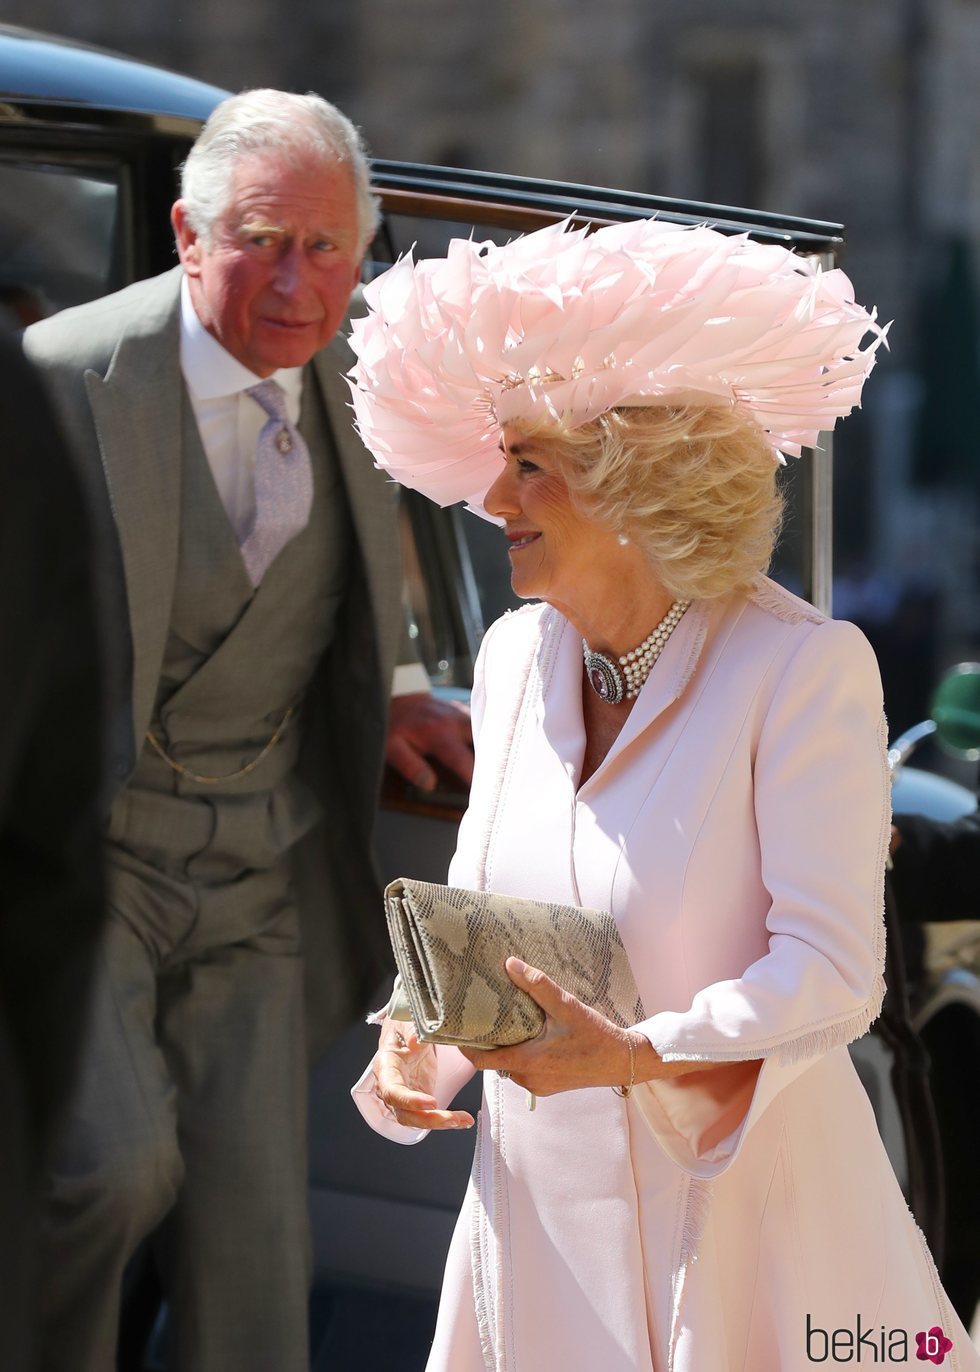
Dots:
{"x": 274, "y": 283}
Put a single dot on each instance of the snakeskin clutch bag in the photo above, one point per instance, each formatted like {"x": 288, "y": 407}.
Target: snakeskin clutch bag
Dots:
{"x": 450, "y": 946}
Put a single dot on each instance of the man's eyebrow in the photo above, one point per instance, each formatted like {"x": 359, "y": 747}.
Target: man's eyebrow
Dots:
{"x": 258, "y": 224}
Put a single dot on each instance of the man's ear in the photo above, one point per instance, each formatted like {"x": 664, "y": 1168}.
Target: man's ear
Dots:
{"x": 188, "y": 242}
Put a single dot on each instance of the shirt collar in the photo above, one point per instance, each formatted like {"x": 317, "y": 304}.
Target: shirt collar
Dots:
{"x": 210, "y": 370}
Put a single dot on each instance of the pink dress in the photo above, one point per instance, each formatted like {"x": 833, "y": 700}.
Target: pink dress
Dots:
{"x": 737, "y": 830}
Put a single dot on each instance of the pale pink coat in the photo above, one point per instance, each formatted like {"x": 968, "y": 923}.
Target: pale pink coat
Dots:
{"x": 737, "y": 830}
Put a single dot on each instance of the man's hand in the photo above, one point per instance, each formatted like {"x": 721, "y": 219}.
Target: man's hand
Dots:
{"x": 421, "y": 726}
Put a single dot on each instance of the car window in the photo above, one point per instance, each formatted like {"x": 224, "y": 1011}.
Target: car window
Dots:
{"x": 60, "y": 241}
{"x": 457, "y": 573}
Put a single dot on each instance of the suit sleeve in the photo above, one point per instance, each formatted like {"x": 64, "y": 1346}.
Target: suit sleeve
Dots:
{"x": 822, "y": 807}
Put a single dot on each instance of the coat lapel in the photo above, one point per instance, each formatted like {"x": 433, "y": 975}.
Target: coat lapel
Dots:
{"x": 136, "y": 409}
{"x": 665, "y": 685}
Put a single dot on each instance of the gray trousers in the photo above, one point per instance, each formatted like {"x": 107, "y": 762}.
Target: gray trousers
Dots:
{"x": 189, "y": 1120}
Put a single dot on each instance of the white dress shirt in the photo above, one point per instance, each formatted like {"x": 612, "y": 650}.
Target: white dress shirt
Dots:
{"x": 229, "y": 422}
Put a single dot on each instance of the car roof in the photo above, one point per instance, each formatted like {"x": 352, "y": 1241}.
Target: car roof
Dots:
{"x": 41, "y": 74}
{"x": 41, "y": 69}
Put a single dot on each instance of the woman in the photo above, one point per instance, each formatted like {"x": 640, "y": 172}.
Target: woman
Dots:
{"x": 672, "y": 737}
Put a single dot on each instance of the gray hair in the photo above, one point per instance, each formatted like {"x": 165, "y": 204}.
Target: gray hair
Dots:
{"x": 295, "y": 127}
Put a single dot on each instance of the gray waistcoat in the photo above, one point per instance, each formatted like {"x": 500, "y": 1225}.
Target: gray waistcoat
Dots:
{"x": 234, "y": 664}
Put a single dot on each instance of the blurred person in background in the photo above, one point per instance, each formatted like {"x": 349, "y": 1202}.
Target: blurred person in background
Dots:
{"x": 51, "y": 879}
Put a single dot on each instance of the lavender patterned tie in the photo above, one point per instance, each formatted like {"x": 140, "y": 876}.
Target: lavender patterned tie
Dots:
{"x": 283, "y": 483}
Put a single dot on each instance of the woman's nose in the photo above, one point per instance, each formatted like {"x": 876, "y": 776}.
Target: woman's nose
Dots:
{"x": 501, "y": 500}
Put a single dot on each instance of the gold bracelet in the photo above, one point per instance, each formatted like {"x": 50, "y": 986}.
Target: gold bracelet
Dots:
{"x": 624, "y": 1091}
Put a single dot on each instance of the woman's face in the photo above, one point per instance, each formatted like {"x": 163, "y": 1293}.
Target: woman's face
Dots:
{"x": 556, "y": 553}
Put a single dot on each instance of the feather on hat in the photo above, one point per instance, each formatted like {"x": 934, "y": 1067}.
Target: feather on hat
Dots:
{"x": 564, "y": 324}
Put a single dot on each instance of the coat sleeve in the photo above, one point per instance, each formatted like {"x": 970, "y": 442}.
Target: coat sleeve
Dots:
{"x": 822, "y": 808}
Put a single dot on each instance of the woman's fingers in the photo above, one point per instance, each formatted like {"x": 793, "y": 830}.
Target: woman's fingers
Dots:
{"x": 541, "y": 988}
{"x": 578, "y": 1047}
{"x": 434, "y": 1119}
{"x": 559, "y": 1005}
{"x": 400, "y": 1034}
{"x": 417, "y": 1109}
{"x": 404, "y": 1068}
{"x": 396, "y": 1088}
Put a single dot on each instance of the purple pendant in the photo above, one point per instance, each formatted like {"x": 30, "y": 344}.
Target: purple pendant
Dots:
{"x": 599, "y": 684}
{"x": 603, "y": 676}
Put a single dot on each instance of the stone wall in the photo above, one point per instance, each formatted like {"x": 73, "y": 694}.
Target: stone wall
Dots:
{"x": 860, "y": 111}
{"x": 864, "y": 112}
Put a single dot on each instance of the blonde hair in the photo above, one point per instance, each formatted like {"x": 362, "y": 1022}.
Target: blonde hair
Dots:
{"x": 695, "y": 488}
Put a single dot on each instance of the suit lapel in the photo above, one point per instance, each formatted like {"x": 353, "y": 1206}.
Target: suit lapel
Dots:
{"x": 372, "y": 500}
{"x": 136, "y": 409}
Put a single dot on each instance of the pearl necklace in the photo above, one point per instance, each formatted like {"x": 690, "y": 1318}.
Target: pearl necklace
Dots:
{"x": 612, "y": 681}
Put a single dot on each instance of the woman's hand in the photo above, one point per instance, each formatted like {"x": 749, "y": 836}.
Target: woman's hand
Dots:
{"x": 405, "y": 1072}
{"x": 578, "y": 1047}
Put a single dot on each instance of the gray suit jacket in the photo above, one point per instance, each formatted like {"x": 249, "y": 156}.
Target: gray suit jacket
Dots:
{"x": 113, "y": 369}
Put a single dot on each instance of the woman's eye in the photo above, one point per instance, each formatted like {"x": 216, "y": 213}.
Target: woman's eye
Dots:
{"x": 525, "y": 466}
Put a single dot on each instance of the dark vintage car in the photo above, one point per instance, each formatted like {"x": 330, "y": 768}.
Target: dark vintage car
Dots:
{"x": 90, "y": 146}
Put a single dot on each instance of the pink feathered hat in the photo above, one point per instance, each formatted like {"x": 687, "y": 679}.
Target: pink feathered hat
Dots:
{"x": 564, "y": 324}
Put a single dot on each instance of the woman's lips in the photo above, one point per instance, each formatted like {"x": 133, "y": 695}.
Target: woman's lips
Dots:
{"x": 519, "y": 541}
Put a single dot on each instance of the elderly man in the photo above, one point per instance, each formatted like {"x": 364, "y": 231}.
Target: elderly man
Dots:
{"x": 250, "y": 571}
